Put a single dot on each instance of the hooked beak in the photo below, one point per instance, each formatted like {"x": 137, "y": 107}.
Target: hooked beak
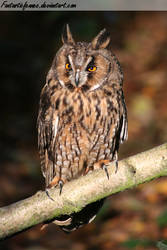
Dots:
{"x": 77, "y": 78}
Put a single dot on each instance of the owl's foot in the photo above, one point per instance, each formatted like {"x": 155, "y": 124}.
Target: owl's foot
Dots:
{"x": 54, "y": 183}
{"x": 102, "y": 164}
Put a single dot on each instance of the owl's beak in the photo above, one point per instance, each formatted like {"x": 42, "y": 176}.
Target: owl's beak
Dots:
{"x": 77, "y": 78}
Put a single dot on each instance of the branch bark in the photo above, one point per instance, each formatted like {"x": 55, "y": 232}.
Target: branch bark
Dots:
{"x": 78, "y": 193}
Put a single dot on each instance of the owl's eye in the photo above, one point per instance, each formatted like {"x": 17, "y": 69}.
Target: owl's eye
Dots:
{"x": 92, "y": 68}
{"x": 68, "y": 66}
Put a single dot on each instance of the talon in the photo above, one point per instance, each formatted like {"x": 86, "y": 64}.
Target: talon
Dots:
{"x": 60, "y": 183}
{"x": 116, "y": 166}
{"x": 47, "y": 193}
{"x": 102, "y": 164}
{"x": 104, "y": 167}
{"x": 116, "y": 162}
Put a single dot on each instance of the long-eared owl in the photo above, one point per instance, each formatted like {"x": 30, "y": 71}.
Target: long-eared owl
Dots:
{"x": 82, "y": 116}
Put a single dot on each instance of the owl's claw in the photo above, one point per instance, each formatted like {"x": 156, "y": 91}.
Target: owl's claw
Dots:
{"x": 47, "y": 193}
{"x": 116, "y": 166}
{"x": 116, "y": 162}
{"x": 60, "y": 183}
{"x": 104, "y": 167}
{"x": 102, "y": 164}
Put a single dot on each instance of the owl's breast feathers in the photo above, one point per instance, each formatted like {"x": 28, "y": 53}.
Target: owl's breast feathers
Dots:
{"x": 78, "y": 129}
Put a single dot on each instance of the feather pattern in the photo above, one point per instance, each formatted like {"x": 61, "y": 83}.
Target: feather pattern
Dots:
{"x": 82, "y": 117}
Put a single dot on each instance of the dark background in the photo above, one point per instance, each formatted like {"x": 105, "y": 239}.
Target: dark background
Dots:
{"x": 134, "y": 219}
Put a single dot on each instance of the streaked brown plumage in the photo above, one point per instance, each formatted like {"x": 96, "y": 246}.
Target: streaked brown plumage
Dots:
{"x": 82, "y": 116}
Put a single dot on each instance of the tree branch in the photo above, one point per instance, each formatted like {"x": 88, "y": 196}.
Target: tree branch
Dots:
{"x": 82, "y": 191}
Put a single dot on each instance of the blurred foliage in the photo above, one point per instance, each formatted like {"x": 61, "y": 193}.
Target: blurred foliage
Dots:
{"x": 133, "y": 243}
{"x": 135, "y": 219}
{"x": 162, "y": 245}
{"x": 162, "y": 219}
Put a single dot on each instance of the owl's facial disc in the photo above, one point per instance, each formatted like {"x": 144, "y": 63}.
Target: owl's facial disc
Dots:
{"x": 76, "y": 71}
{"x": 79, "y": 73}
{"x": 81, "y": 68}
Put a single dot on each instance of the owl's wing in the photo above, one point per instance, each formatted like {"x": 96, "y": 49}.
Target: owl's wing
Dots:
{"x": 47, "y": 123}
{"x": 121, "y": 128}
{"x": 124, "y": 123}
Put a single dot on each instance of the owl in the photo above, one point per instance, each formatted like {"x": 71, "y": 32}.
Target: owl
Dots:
{"x": 82, "y": 117}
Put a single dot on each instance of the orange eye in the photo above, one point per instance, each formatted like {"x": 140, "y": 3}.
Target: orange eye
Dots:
{"x": 68, "y": 66}
{"x": 92, "y": 68}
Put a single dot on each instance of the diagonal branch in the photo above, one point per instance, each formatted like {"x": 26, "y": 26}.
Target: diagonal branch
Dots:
{"x": 80, "y": 192}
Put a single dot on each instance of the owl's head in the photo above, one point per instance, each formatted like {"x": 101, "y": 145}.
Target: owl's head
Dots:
{"x": 85, "y": 66}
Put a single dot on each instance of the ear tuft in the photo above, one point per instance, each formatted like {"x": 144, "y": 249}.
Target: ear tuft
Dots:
{"x": 67, "y": 36}
{"x": 102, "y": 40}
